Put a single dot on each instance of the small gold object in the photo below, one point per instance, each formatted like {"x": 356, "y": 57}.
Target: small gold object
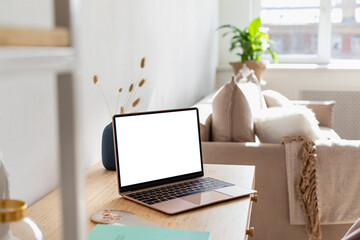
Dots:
{"x": 110, "y": 216}
{"x": 12, "y": 210}
{"x": 250, "y": 231}
{"x": 107, "y": 216}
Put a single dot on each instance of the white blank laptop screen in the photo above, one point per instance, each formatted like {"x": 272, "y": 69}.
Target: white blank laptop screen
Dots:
{"x": 157, "y": 146}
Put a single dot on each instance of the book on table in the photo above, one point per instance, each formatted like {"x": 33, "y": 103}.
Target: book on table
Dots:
{"x": 109, "y": 232}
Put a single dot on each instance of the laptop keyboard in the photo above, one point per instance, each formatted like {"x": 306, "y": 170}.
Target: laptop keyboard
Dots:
{"x": 177, "y": 190}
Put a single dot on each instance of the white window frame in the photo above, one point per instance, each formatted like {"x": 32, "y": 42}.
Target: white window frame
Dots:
{"x": 323, "y": 55}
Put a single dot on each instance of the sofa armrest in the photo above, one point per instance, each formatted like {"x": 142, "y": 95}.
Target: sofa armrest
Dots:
{"x": 241, "y": 153}
{"x": 323, "y": 110}
{"x": 270, "y": 215}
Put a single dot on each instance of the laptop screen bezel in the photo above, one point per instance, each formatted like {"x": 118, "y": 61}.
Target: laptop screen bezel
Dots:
{"x": 158, "y": 182}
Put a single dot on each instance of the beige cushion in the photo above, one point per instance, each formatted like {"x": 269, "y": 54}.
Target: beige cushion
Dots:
{"x": 231, "y": 117}
{"x": 322, "y": 109}
{"x": 252, "y": 93}
{"x": 323, "y": 112}
{"x": 251, "y": 87}
{"x": 205, "y": 129}
{"x": 275, "y": 99}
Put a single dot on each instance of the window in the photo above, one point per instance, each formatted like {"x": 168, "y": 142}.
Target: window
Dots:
{"x": 346, "y": 28}
{"x": 313, "y": 30}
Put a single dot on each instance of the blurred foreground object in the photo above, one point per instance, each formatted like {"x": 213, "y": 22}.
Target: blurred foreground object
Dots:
{"x": 57, "y": 37}
{"x": 14, "y": 223}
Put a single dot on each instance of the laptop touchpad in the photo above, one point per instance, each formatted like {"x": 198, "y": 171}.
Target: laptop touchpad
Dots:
{"x": 205, "y": 197}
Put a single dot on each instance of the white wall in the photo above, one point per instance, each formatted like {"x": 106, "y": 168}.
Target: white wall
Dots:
{"x": 235, "y": 12}
{"x": 178, "y": 39}
{"x": 28, "y": 133}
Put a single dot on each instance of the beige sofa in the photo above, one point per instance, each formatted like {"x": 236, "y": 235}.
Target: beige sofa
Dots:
{"x": 270, "y": 216}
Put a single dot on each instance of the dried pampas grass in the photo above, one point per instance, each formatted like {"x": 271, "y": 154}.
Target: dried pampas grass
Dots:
{"x": 95, "y": 80}
{"x": 142, "y": 82}
{"x": 136, "y": 102}
{"x": 131, "y": 87}
{"x": 142, "y": 64}
{"x": 129, "y": 103}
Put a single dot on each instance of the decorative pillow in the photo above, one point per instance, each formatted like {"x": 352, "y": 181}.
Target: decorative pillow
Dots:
{"x": 231, "y": 117}
{"x": 205, "y": 129}
{"x": 275, "y": 99}
{"x": 323, "y": 112}
{"x": 277, "y": 122}
{"x": 250, "y": 86}
{"x": 252, "y": 93}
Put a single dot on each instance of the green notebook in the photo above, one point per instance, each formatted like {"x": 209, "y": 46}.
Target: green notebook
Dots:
{"x": 110, "y": 232}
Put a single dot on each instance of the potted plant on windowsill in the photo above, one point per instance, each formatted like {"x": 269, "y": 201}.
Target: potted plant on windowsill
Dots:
{"x": 250, "y": 44}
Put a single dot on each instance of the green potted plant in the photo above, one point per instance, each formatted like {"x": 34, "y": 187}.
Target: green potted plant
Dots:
{"x": 249, "y": 44}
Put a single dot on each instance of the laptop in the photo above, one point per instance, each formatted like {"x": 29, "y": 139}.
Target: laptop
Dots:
{"x": 159, "y": 162}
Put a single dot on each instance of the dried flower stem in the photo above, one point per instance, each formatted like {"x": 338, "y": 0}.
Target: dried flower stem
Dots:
{"x": 142, "y": 82}
{"x": 132, "y": 93}
{"x": 107, "y": 104}
{"x": 129, "y": 98}
{"x": 118, "y": 98}
{"x": 136, "y": 102}
{"x": 117, "y": 103}
{"x": 95, "y": 81}
{"x": 142, "y": 64}
{"x": 139, "y": 85}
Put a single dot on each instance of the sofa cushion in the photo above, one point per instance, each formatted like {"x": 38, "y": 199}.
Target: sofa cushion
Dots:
{"x": 329, "y": 134}
{"x": 205, "y": 129}
{"x": 277, "y": 122}
{"x": 231, "y": 117}
{"x": 275, "y": 99}
{"x": 250, "y": 86}
{"x": 252, "y": 93}
{"x": 323, "y": 110}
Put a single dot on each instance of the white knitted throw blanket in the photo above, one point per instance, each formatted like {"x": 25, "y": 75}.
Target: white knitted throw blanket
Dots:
{"x": 336, "y": 191}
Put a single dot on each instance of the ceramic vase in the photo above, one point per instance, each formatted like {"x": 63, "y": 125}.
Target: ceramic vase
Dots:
{"x": 107, "y": 148}
{"x": 258, "y": 67}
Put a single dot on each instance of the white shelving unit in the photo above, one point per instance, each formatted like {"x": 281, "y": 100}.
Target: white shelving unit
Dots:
{"x": 62, "y": 61}
{"x": 59, "y": 59}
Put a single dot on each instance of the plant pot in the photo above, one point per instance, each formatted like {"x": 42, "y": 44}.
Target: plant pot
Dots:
{"x": 258, "y": 67}
{"x": 107, "y": 148}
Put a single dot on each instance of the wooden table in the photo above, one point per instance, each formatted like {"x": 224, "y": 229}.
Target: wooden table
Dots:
{"x": 227, "y": 220}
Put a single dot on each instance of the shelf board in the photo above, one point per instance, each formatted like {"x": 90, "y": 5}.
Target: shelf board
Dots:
{"x": 36, "y": 58}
